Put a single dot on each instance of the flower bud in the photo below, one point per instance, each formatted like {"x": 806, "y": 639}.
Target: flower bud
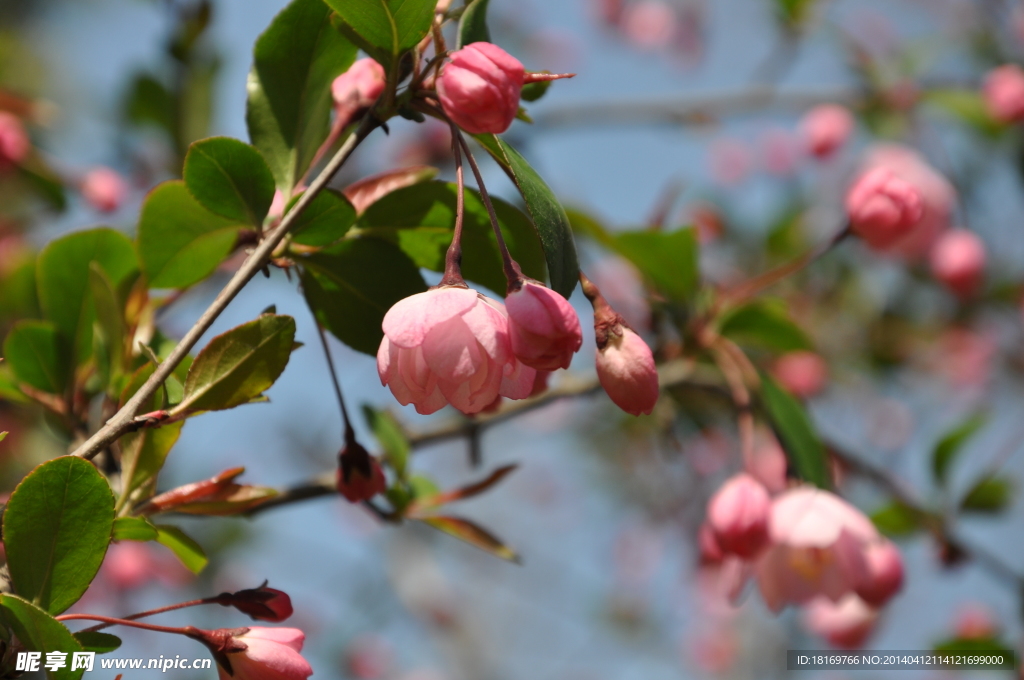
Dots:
{"x": 14, "y": 142}
{"x": 360, "y": 476}
{"x": 359, "y": 86}
{"x": 845, "y": 624}
{"x": 958, "y": 260}
{"x": 882, "y": 207}
{"x": 479, "y": 88}
{"x": 262, "y": 604}
{"x": 103, "y": 189}
{"x": 803, "y": 373}
{"x": 1004, "y": 93}
{"x": 259, "y": 653}
{"x": 543, "y": 327}
{"x": 626, "y": 369}
{"x": 738, "y": 515}
{"x": 884, "y": 573}
{"x": 825, "y": 128}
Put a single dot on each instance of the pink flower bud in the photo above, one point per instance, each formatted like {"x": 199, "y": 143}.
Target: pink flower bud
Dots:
{"x": 103, "y": 189}
{"x": 738, "y": 516}
{"x": 543, "y": 327}
{"x": 262, "y": 604}
{"x": 826, "y": 128}
{"x": 14, "y": 142}
{"x": 779, "y": 151}
{"x": 803, "y": 373}
{"x": 359, "y": 475}
{"x": 730, "y": 161}
{"x": 884, "y": 573}
{"x": 974, "y": 621}
{"x": 649, "y": 24}
{"x": 845, "y": 624}
{"x": 129, "y": 565}
{"x": 450, "y": 345}
{"x": 626, "y": 369}
{"x": 1004, "y": 93}
{"x": 958, "y": 260}
{"x": 359, "y": 86}
{"x": 882, "y": 207}
{"x": 479, "y": 88}
{"x": 707, "y": 544}
{"x": 269, "y": 654}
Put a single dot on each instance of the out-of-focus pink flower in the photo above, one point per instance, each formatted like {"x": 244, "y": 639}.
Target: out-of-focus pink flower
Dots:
{"x": 826, "y": 128}
{"x": 359, "y": 475}
{"x": 128, "y": 565}
{"x": 14, "y": 142}
{"x": 358, "y": 87}
{"x": 622, "y": 286}
{"x": 714, "y": 650}
{"x": 958, "y": 260}
{"x": 964, "y": 356}
{"x": 103, "y": 189}
{"x": 845, "y": 624}
{"x": 608, "y": 12}
{"x": 768, "y": 463}
{"x": 270, "y": 654}
{"x": 779, "y": 153}
{"x": 369, "y": 657}
{"x": 884, "y": 573}
{"x": 543, "y": 327}
{"x": 709, "y": 450}
{"x": 801, "y": 372}
{"x": 277, "y": 205}
{"x": 479, "y": 88}
{"x": 730, "y": 161}
{"x": 649, "y": 24}
{"x": 626, "y": 369}
{"x": 1004, "y": 93}
{"x": 883, "y": 208}
{"x": 817, "y": 548}
{"x": 450, "y": 346}
{"x": 974, "y": 621}
{"x": 738, "y": 516}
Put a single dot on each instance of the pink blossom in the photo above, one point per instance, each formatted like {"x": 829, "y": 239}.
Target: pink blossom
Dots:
{"x": 543, "y": 326}
{"x": 738, "y": 516}
{"x": 884, "y": 573}
{"x": 128, "y": 565}
{"x": 479, "y": 88}
{"x": 626, "y": 370}
{"x": 270, "y": 654}
{"x": 450, "y": 345}
{"x": 826, "y": 128}
{"x": 779, "y": 153}
{"x": 883, "y": 208}
{"x": 958, "y": 260}
{"x": 801, "y": 372}
{"x": 845, "y": 624}
{"x": 730, "y": 161}
{"x": 649, "y": 24}
{"x": 358, "y": 87}
{"x": 975, "y": 621}
{"x": 14, "y": 142}
{"x": 1004, "y": 93}
{"x": 103, "y": 189}
{"x": 768, "y": 463}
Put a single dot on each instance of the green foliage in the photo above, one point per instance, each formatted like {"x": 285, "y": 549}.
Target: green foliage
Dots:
{"x": 134, "y": 529}
{"x": 968, "y": 106}
{"x": 40, "y": 632}
{"x": 56, "y": 529}
{"x": 385, "y": 29}
{"x": 796, "y": 433}
{"x": 947, "y": 449}
{"x": 420, "y": 219}
{"x": 96, "y": 641}
{"x": 288, "y": 109}
{"x": 531, "y": 92}
{"x": 667, "y": 259}
{"x": 989, "y": 645}
{"x": 237, "y": 366}
{"x": 231, "y": 179}
{"x": 183, "y": 546}
{"x": 142, "y": 457}
{"x": 793, "y": 13}
{"x": 389, "y": 434}
{"x": 989, "y": 495}
{"x": 897, "y": 519}
{"x": 108, "y": 331}
{"x": 351, "y": 285}
{"x": 473, "y": 24}
{"x": 180, "y": 242}
{"x": 39, "y": 356}
{"x": 326, "y": 219}
{"x": 764, "y": 323}
{"x": 472, "y": 533}
{"x": 545, "y": 211}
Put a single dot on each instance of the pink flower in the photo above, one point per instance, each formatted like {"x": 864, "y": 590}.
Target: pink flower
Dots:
{"x": 730, "y": 161}
{"x": 738, "y": 516}
{"x": 450, "y": 346}
{"x": 649, "y": 24}
{"x": 128, "y": 565}
{"x": 479, "y": 88}
{"x": 103, "y": 189}
{"x": 358, "y": 87}
{"x": 625, "y": 367}
{"x": 845, "y": 624}
{"x": 974, "y": 621}
{"x": 359, "y": 476}
{"x": 817, "y": 547}
{"x": 883, "y": 208}
{"x": 884, "y": 573}
{"x": 1004, "y": 93}
{"x": 14, "y": 142}
{"x": 779, "y": 152}
{"x": 826, "y": 128}
{"x": 269, "y": 654}
{"x": 958, "y": 260}
{"x": 801, "y": 372}
{"x": 768, "y": 463}
{"x": 543, "y": 326}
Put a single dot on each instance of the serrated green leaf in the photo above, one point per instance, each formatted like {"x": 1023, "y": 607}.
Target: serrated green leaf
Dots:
{"x": 897, "y": 519}
{"x": 326, "y": 219}
{"x": 134, "y": 529}
{"x": 764, "y": 323}
{"x": 952, "y": 443}
{"x": 183, "y": 546}
{"x": 989, "y": 495}
{"x": 390, "y": 436}
{"x": 473, "y": 24}
{"x": 97, "y": 641}
{"x": 796, "y": 433}
{"x": 40, "y": 632}
{"x": 56, "y": 529}
{"x": 39, "y": 356}
{"x": 230, "y": 178}
{"x": 385, "y": 29}
{"x": 667, "y": 259}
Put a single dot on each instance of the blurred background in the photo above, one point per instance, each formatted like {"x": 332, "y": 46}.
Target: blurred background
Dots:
{"x": 683, "y": 112}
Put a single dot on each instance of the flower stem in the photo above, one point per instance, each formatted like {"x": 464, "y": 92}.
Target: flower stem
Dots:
{"x": 453, "y": 258}
{"x": 154, "y": 612}
{"x": 348, "y": 432}
{"x": 189, "y": 631}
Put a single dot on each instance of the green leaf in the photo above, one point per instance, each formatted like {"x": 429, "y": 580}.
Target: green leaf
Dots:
{"x": 796, "y": 433}
{"x": 142, "y": 457}
{"x": 472, "y": 533}
{"x": 230, "y": 178}
{"x": 666, "y": 259}
{"x": 897, "y": 519}
{"x": 187, "y": 550}
{"x": 56, "y": 529}
{"x": 764, "y": 323}
{"x": 385, "y": 29}
{"x": 423, "y": 503}
{"x": 984, "y": 646}
{"x": 545, "y": 211}
{"x": 40, "y": 632}
{"x": 794, "y": 13}
{"x": 327, "y": 218}
{"x": 531, "y": 92}
{"x": 63, "y": 279}
{"x": 989, "y": 495}
{"x": 97, "y": 641}
{"x": 149, "y": 101}
{"x": 952, "y": 443}
{"x": 289, "y": 105}
{"x": 369, "y": 190}
{"x": 108, "y": 331}
{"x": 473, "y": 24}
{"x": 351, "y": 285}
{"x": 39, "y": 356}
{"x": 237, "y": 366}
{"x": 134, "y": 529}
{"x": 421, "y": 218}
{"x": 967, "y": 105}
{"x": 390, "y": 436}
{"x": 588, "y": 226}
{"x": 180, "y": 242}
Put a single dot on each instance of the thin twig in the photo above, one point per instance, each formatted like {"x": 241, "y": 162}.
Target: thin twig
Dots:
{"x": 347, "y": 431}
